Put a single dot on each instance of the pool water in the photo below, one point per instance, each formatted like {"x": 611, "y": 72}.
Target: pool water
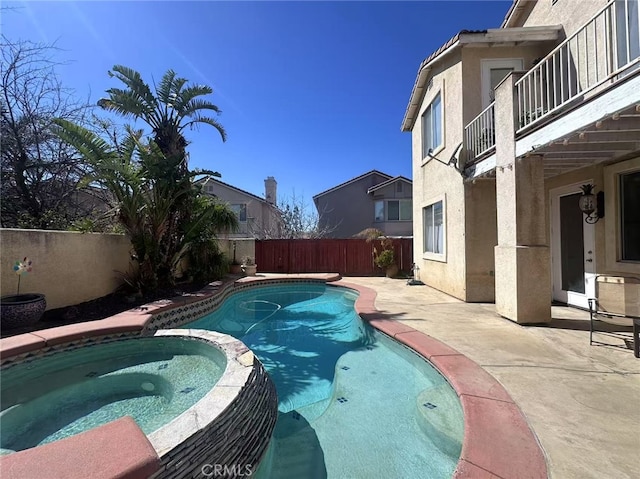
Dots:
{"x": 151, "y": 379}
{"x": 353, "y": 403}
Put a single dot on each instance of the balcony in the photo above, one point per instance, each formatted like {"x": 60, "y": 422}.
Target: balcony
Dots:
{"x": 600, "y": 54}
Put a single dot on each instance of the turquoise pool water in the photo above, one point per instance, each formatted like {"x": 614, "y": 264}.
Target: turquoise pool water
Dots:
{"x": 151, "y": 379}
{"x": 353, "y": 403}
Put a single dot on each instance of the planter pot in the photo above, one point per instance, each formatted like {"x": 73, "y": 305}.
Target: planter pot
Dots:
{"x": 391, "y": 271}
{"x": 21, "y": 310}
{"x": 235, "y": 269}
{"x": 250, "y": 269}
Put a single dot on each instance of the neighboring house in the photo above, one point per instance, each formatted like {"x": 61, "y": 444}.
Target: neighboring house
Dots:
{"x": 258, "y": 217}
{"x": 499, "y": 156}
{"x": 372, "y": 200}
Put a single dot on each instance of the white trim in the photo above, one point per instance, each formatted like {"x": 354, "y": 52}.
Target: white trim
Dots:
{"x": 443, "y": 142}
{"x": 613, "y": 218}
{"x": 488, "y": 64}
{"x": 571, "y": 297}
{"x": 426, "y": 255}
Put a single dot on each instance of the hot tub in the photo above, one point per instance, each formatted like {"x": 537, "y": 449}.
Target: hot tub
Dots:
{"x": 153, "y": 380}
{"x": 201, "y": 398}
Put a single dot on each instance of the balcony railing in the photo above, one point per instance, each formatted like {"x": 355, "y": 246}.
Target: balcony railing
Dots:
{"x": 480, "y": 134}
{"x": 603, "y": 49}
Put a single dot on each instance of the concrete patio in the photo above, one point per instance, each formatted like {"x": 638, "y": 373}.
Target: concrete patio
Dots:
{"x": 582, "y": 401}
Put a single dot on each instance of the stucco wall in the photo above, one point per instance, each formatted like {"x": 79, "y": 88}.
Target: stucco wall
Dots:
{"x": 481, "y": 238}
{"x": 433, "y": 181}
{"x": 572, "y": 14}
{"x": 244, "y": 247}
{"x": 68, "y": 267}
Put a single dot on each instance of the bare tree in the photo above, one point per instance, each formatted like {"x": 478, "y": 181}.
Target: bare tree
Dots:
{"x": 40, "y": 174}
{"x": 297, "y": 220}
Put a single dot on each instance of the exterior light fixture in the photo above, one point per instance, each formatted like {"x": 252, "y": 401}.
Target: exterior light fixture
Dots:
{"x": 591, "y": 204}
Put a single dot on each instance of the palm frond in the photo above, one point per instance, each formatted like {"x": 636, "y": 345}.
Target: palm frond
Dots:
{"x": 209, "y": 121}
{"x": 189, "y": 93}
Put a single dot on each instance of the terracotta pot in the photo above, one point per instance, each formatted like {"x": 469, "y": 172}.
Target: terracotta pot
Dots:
{"x": 235, "y": 268}
{"x": 21, "y": 310}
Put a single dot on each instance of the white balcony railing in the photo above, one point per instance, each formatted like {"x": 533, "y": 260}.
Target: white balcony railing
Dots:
{"x": 604, "y": 49}
{"x": 480, "y": 134}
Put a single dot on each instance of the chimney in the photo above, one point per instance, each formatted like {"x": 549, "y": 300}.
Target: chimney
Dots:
{"x": 270, "y": 189}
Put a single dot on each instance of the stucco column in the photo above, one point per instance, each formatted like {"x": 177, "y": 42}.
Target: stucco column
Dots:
{"x": 522, "y": 265}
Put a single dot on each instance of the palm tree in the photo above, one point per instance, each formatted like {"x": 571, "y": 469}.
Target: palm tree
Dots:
{"x": 174, "y": 107}
{"x": 145, "y": 205}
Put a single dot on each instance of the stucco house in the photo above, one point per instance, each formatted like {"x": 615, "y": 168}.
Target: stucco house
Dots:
{"x": 372, "y": 200}
{"x": 258, "y": 217}
{"x": 506, "y": 126}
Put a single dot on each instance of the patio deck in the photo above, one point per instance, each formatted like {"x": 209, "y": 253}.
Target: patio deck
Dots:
{"x": 583, "y": 402}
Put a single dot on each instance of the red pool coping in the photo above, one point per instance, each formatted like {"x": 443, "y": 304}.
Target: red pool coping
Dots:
{"x": 118, "y": 449}
{"x": 498, "y": 442}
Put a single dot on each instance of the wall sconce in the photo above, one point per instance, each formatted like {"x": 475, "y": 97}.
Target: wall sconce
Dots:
{"x": 591, "y": 204}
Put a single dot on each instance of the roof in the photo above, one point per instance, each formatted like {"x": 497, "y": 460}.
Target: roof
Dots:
{"x": 509, "y": 36}
{"x": 418, "y": 87}
{"x": 514, "y": 12}
{"x": 353, "y": 180}
{"x": 239, "y": 190}
{"x": 388, "y": 182}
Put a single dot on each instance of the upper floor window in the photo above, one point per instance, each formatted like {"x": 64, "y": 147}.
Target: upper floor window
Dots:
{"x": 630, "y": 216}
{"x": 393, "y": 210}
{"x": 241, "y": 211}
{"x": 432, "y": 126}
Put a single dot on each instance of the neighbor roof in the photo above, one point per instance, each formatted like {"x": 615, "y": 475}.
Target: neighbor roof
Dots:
{"x": 239, "y": 190}
{"x": 357, "y": 178}
{"x": 388, "y": 182}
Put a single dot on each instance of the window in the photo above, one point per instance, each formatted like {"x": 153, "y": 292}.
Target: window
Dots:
{"x": 399, "y": 187}
{"x": 393, "y": 210}
{"x": 241, "y": 211}
{"x": 433, "y": 228}
{"x": 432, "y": 126}
{"x": 630, "y": 216}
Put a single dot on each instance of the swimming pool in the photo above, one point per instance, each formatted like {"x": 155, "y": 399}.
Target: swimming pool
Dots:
{"x": 352, "y": 402}
{"x": 154, "y": 380}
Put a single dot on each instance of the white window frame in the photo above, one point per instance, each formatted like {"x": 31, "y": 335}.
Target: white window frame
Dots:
{"x": 385, "y": 210}
{"x": 237, "y": 209}
{"x": 495, "y": 63}
{"x": 620, "y": 213}
{"x": 612, "y": 209}
{"x": 429, "y": 109}
{"x": 428, "y": 255}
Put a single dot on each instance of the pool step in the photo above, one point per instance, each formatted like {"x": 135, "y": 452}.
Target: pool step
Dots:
{"x": 304, "y": 458}
{"x": 440, "y": 416}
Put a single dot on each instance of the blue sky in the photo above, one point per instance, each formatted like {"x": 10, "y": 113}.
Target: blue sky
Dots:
{"x": 312, "y": 93}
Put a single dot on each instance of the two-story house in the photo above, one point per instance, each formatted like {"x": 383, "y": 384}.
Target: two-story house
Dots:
{"x": 257, "y": 217}
{"x": 372, "y": 200}
{"x": 507, "y": 124}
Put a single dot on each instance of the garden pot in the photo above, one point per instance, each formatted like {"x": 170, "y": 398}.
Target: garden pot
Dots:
{"x": 19, "y": 310}
{"x": 235, "y": 268}
{"x": 391, "y": 271}
{"x": 250, "y": 269}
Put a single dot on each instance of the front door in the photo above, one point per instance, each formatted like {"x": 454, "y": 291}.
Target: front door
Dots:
{"x": 572, "y": 249}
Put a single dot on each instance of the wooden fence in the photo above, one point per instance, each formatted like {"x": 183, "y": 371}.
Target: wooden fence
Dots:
{"x": 349, "y": 257}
